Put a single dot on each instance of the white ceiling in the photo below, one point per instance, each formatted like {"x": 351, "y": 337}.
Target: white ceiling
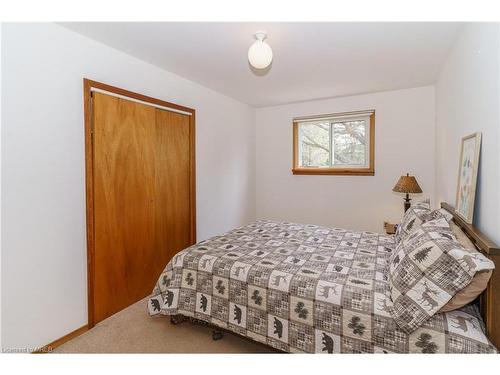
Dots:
{"x": 311, "y": 60}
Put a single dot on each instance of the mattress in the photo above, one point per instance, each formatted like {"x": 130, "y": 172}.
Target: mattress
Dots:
{"x": 305, "y": 288}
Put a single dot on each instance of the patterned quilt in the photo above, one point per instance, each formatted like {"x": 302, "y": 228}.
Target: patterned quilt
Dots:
{"x": 304, "y": 288}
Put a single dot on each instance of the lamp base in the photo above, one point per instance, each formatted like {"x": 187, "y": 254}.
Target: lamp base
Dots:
{"x": 407, "y": 202}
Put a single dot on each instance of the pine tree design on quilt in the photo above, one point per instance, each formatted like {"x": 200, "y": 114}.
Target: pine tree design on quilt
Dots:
{"x": 301, "y": 311}
{"x": 357, "y": 327}
{"x": 421, "y": 255}
{"x": 308, "y": 272}
{"x": 446, "y": 235}
{"x": 425, "y": 343}
{"x": 410, "y": 225}
{"x": 358, "y": 282}
{"x": 220, "y": 287}
{"x": 257, "y": 298}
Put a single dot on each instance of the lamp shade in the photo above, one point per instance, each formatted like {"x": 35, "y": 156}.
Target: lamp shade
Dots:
{"x": 407, "y": 184}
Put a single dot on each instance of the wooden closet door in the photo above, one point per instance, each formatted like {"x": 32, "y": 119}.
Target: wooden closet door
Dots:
{"x": 172, "y": 183}
{"x": 141, "y": 198}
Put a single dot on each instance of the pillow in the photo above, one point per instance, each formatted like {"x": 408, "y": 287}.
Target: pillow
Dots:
{"x": 461, "y": 236}
{"x": 425, "y": 203}
{"x": 479, "y": 281}
{"x": 470, "y": 292}
{"x": 412, "y": 219}
{"x": 417, "y": 214}
{"x": 436, "y": 214}
{"x": 426, "y": 270}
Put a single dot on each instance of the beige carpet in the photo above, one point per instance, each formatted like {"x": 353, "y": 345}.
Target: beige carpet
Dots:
{"x": 134, "y": 331}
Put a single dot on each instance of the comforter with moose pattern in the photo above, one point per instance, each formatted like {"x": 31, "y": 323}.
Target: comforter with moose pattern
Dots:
{"x": 304, "y": 288}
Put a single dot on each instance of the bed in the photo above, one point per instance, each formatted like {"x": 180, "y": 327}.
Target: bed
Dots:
{"x": 303, "y": 288}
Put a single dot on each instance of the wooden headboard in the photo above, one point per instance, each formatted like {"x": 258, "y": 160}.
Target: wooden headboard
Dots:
{"x": 490, "y": 299}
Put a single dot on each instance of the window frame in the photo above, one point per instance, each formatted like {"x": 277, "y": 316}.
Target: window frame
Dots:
{"x": 346, "y": 171}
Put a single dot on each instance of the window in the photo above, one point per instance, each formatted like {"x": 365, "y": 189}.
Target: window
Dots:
{"x": 341, "y": 144}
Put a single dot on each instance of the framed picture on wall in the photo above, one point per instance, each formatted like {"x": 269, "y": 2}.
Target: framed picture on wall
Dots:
{"x": 467, "y": 176}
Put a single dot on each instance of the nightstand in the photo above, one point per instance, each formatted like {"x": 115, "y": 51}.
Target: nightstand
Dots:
{"x": 390, "y": 228}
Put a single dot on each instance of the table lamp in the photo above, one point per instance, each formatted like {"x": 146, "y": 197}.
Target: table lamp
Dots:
{"x": 409, "y": 185}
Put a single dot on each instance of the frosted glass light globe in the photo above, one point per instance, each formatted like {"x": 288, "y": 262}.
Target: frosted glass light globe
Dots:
{"x": 260, "y": 53}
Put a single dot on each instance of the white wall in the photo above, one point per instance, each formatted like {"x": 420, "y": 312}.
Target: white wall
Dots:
{"x": 404, "y": 142}
{"x": 43, "y": 217}
{"x": 467, "y": 101}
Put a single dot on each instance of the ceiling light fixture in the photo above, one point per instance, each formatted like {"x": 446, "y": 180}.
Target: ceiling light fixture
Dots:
{"x": 260, "y": 54}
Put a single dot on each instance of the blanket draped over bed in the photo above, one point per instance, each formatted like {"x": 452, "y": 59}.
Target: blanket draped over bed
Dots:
{"x": 305, "y": 288}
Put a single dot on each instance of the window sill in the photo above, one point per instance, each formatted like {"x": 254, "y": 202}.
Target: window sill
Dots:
{"x": 334, "y": 171}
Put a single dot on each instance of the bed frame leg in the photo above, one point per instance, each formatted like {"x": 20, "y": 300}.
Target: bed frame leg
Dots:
{"x": 216, "y": 335}
{"x": 176, "y": 319}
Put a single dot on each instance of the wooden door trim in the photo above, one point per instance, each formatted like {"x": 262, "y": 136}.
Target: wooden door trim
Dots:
{"x": 89, "y": 175}
{"x": 62, "y": 340}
